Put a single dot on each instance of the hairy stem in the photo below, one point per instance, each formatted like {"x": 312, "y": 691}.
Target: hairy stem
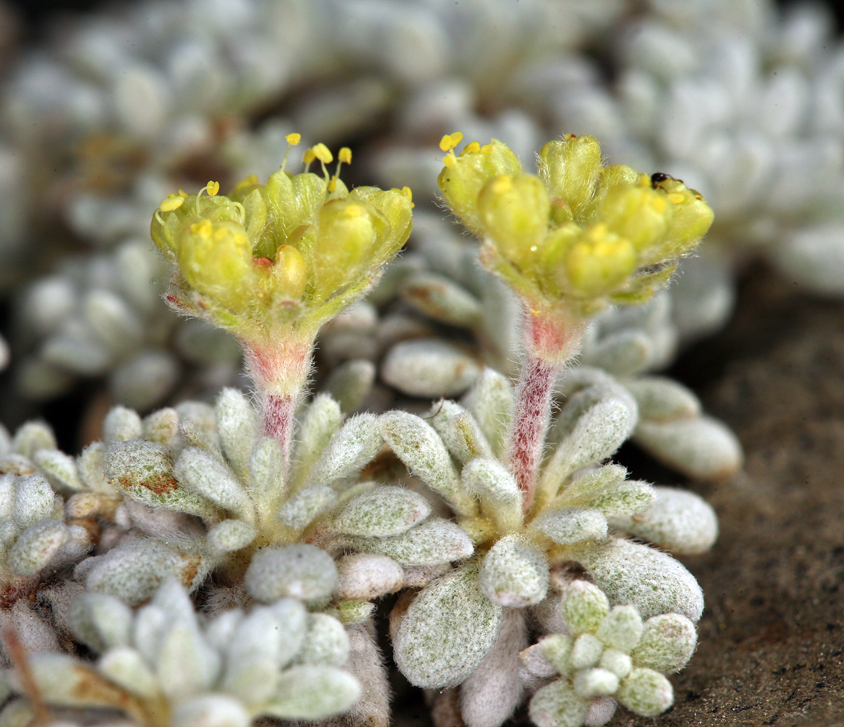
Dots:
{"x": 551, "y": 340}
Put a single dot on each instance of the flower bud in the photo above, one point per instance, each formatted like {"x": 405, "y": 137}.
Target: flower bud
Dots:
{"x": 638, "y": 214}
{"x": 344, "y": 240}
{"x": 514, "y": 211}
{"x": 598, "y": 262}
{"x": 289, "y": 274}
{"x": 571, "y": 169}
{"x": 690, "y": 220}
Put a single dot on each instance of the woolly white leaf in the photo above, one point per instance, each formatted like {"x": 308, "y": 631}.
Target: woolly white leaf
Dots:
{"x": 92, "y": 468}
{"x": 36, "y": 547}
{"x": 211, "y": 710}
{"x": 491, "y": 402}
{"x": 298, "y": 571}
{"x": 144, "y": 471}
{"x": 585, "y": 652}
{"x": 363, "y": 576}
{"x": 102, "y": 622}
{"x": 71, "y": 683}
{"x": 667, "y": 643}
{"x": 34, "y": 500}
{"x": 584, "y": 607}
{"x": 325, "y": 643}
{"x": 594, "y": 682}
{"x": 661, "y": 399}
{"x": 382, "y": 511}
{"x": 353, "y": 446}
{"x": 701, "y": 447}
{"x": 237, "y": 428}
{"x": 677, "y": 520}
{"x": 230, "y": 535}
{"x": 301, "y": 509}
{"x": 206, "y": 475}
{"x": 350, "y": 382}
{"x": 534, "y": 660}
{"x": 121, "y": 425}
{"x": 434, "y": 541}
{"x": 311, "y": 693}
{"x": 59, "y": 468}
{"x": 500, "y": 496}
{"x": 162, "y": 427}
{"x": 557, "y": 705}
{"x": 650, "y": 580}
{"x": 266, "y": 472}
{"x": 625, "y": 353}
{"x": 572, "y": 524}
{"x": 459, "y": 431}
{"x": 440, "y": 298}
{"x": 429, "y": 368}
{"x": 447, "y": 631}
{"x": 322, "y": 418}
{"x": 621, "y": 629}
{"x": 418, "y": 445}
{"x": 185, "y": 663}
{"x": 514, "y": 573}
{"x": 32, "y": 437}
{"x": 126, "y": 668}
{"x": 645, "y": 692}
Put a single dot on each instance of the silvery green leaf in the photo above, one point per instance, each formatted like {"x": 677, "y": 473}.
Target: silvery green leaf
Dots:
{"x": 34, "y": 500}
{"x": 650, "y": 580}
{"x": 91, "y": 464}
{"x": 459, "y": 431}
{"x": 301, "y": 509}
{"x": 662, "y": 400}
{"x": 350, "y": 382}
{"x": 207, "y": 476}
{"x": 434, "y": 541}
{"x": 319, "y": 423}
{"x": 144, "y": 471}
{"x": 353, "y": 612}
{"x": 237, "y": 428}
{"x": 78, "y": 352}
{"x": 351, "y": 447}
{"x": 134, "y": 570}
{"x": 112, "y": 320}
{"x": 440, "y": 298}
{"x": 395, "y": 272}
{"x": 72, "y": 683}
{"x": 230, "y": 535}
{"x": 150, "y": 626}
{"x": 702, "y": 447}
{"x": 534, "y": 660}
{"x": 381, "y": 511}
{"x": 594, "y": 682}
{"x": 36, "y": 547}
{"x": 677, "y": 520}
{"x": 625, "y": 353}
{"x": 297, "y": 571}
{"x": 572, "y": 524}
{"x": 447, "y": 631}
{"x": 121, "y": 425}
{"x": 667, "y": 643}
{"x": 491, "y": 402}
{"x": 514, "y": 573}
{"x": 144, "y": 379}
{"x": 586, "y": 652}
{"x": 326, "y": 642}
{"x": 812, "y": 256}
{"x": 266, "y": 473}
{"x": 492, "y": 692}
{"x": 645, "y": 692}
{"x": 616, "y": 661}
{"x": 162, "y": 427}
{"x": 32, "y": 437}
{"x": 601, "y": 430}
{"x": 363, "y": 576}
{"x": 366, "y": 663}
{"x": 621, "y": 629}
{"x": 102, "y": 622}
{"x": 185, "y": 663}
{"x": 557, "y": 650}
{"x": 584, "y": 606}
{"x": 500, "y": 496}
{"x": 557, "y": 705}
{"x": 198, "y": 425}
{"x": 8, "y": 489}
{"x": 126, "y": 668}
{"x": 60, "y": 469}
{"x": 211, "y": 710}
{"x": 624, "y": 498}
{"x": 311, "y": 693}
{"x": 416, "y": 443}
{"x": 429, "y": 368}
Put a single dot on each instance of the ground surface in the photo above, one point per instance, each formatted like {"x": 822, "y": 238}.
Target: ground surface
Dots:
{"x": 772, "y": 636}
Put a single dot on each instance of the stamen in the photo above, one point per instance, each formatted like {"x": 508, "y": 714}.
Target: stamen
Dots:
{"x": 447, "y": 144}
{"x": 292, "y": 140}
{"x": 344, "y": 156}
{"x": 308, "y": 158}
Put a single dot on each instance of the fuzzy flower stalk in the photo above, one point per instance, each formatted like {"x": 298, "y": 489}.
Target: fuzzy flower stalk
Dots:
{"x": 272, "y": 262}
{"x": 569, "y": 241}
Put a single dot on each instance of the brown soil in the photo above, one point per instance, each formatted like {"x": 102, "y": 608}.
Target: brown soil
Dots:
{"x": 772, "y": 636}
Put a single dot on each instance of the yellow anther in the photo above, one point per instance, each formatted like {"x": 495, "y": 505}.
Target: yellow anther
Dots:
{"x": 353, "y": 210}
{"x": 449, "y": 159}
{"x": 332, "y": 184}
{"x": 407, "y": 192}
{"x": 502, "y": 185}
{"x": 173, "y": 202}
{"x": 293, "y": 139}
{"x": 676, "y": 198}
{"x": 203, "y": 228}
{"x": 250, "y": 181}
{"x": 449, "y": 141}
{"x": 182, "y": 193}
{"x": 486, "y": 148}
{"x": 322, "y": 153}
{"x": 212, "y": 188}
{"x": 473, "y": 147}
{"x": 345, "y": 155}
{"x": 309, "y": 156}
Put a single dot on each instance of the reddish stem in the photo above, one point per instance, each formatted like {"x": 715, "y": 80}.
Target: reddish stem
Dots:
{"x": 551, "y": 339}
{"x": 277, "y": 414}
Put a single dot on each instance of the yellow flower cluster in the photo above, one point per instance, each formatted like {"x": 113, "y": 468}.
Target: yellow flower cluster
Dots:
{"x": 290, "y": 253}
{"x": 578, "y": 235}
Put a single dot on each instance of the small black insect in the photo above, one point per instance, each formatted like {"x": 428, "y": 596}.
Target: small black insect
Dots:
{"x": 658, "y": 177}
